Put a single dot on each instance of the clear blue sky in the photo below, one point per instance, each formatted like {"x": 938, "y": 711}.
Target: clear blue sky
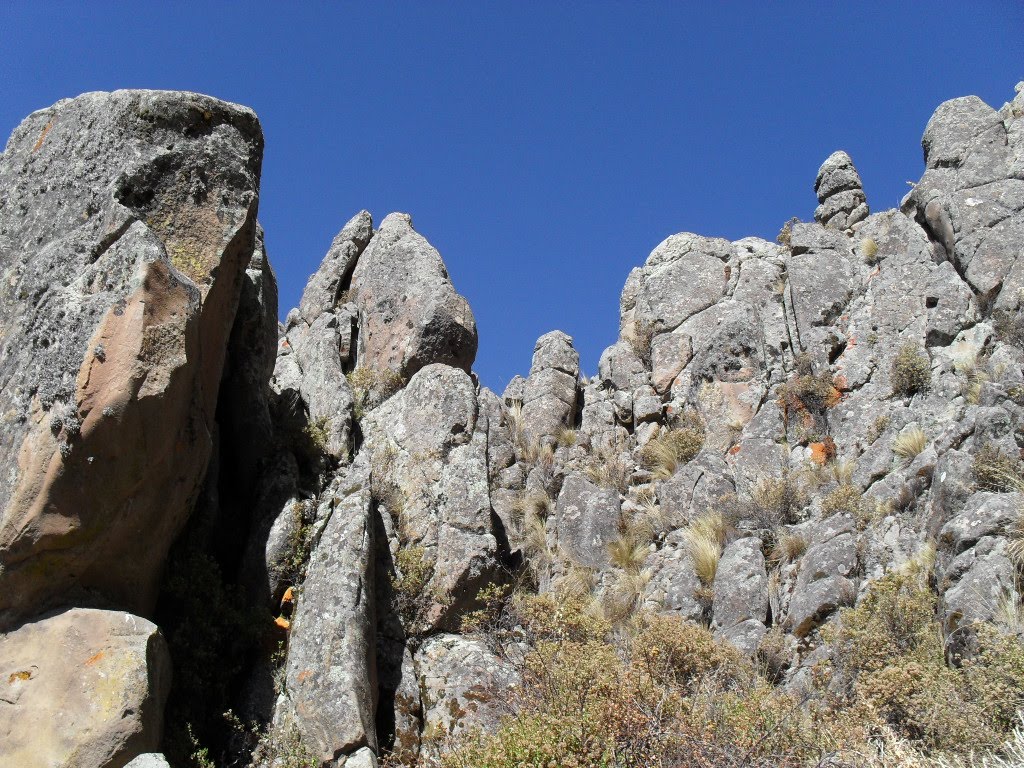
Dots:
{"x": 544, "y": 148}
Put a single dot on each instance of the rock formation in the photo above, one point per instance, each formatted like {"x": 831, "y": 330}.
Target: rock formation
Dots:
{"x": 316, "y": 511}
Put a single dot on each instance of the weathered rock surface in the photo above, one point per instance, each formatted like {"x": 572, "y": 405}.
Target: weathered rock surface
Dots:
{"x": 82, "y": 689}
{"x": 126, "y": 225}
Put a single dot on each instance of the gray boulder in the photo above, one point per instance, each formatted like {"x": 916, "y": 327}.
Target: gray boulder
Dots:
{"x": 331, "y": 684}
{"x": 83, "y": 688}
{"x": 550, "y": 391}
{"x": 741, "y": 594}
{"x": 587, "y": 520}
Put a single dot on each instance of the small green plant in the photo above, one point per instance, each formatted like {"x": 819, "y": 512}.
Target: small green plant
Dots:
{"x": 316, "y": 435}
{"x": 844, "y": 499}
{"x": 414, "y": 569}
{"x": 911, "y": 371}
{"x": 909, "y": 443}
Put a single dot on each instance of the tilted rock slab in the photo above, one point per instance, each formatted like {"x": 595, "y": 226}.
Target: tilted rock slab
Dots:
{"x": 126, "y": 225}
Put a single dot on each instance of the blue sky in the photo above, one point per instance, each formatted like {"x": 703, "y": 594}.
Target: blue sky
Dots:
{"x": 544, "y": 148}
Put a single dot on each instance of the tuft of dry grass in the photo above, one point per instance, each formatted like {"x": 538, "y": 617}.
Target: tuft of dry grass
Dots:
{"x": 628, "y": 552}
{"x": 704, "y": 538}
{"x": 623, "y": 597}
{"x": 639, "y": 334}
{"x": 909, "y": 443}
{"x": 609, "y": 468}
{"x": 566, "y": 437}
{"x": 869, "y": 251}
{"x": 664, "y": 453}
{"x": 789, "y": 547}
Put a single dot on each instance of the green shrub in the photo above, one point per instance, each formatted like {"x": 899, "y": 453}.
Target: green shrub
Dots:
{"x": 911, "y": 370}
{"x": 889, "y": 662}
{"x": 413, "y": 598}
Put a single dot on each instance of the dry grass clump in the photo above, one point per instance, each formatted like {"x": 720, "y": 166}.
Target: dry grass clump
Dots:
{"x": 780, "y": 500}
{"x": 909, "y": 443}
{"x": 911, "y": 370}
{"x": 704, "y": 538}
{"x": 610, "y": 468}
{"x": 974, "y": 376}
{"x": 639, "y": 334}
{"x": 789, "y": 547}
{"x": 869, "y": 251}
{"x": 566, "y": 437}
{"x": 671, "y": 448}
{"x": 996, "y": 471}
{"x": 371, "y": 387}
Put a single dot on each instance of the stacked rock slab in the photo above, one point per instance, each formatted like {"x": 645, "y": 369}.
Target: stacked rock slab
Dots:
{"x": 127, "y": 222}
{"x": 841, "y": 200}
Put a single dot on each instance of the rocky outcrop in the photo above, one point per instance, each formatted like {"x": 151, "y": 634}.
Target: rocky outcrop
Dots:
{"x": 775, "y": 425}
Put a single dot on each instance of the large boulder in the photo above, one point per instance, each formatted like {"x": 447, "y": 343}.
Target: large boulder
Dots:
{"x": 82, "y": 689}
{"x": 428, "y": 448}
{"x": 127, "y": 222}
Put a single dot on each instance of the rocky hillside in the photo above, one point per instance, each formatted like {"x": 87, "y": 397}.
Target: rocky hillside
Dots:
{"x": 228, "y": 541}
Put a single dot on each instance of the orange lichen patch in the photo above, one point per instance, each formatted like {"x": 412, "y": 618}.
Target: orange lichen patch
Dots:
{"x": 15, "y": 677}
{"x": 734, "y": 450}
{"x": 289, "y": 597}
{"x": 840, "y": 383}
{"x": 834, "y": 396}
{"x": 42, "y": 136}
{"x": 282, "y": 623}
{"x": 304, "y": 675}
{"x": 823, "y": 452}
{"x": 94, "y": 658}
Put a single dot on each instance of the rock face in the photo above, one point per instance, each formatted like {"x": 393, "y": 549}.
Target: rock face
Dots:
{"x": 126, "y": 225}
{"x": 776, "y": 425}
{"x": 82, "y": 689}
